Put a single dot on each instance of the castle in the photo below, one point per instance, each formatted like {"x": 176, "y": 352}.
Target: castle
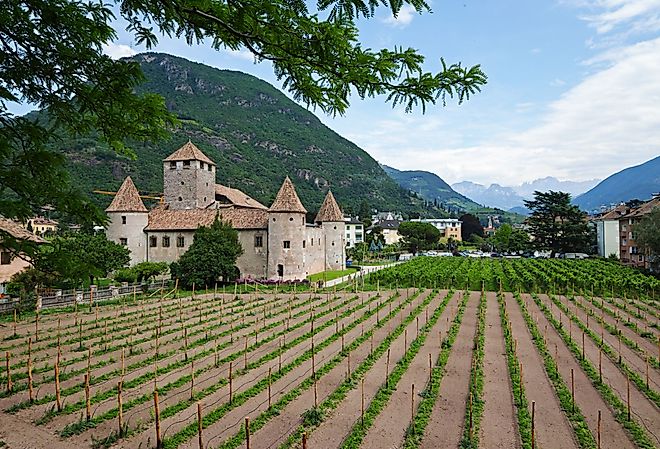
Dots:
{"x": 278, "y": 243}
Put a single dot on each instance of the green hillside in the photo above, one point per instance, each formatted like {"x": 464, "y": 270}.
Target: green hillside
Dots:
{"x": 254, "y": 133}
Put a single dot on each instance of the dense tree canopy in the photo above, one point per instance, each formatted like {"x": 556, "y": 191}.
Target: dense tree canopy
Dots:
{"x": 647, "y": 236}
{"x": 51, "y": 57}
{"x": 510, "y": 240}
{"x": 556, "y": 225}
{"x": 211, "y": 258}
{"x": 470, "y": 226}
{"x": 418, "y": 236}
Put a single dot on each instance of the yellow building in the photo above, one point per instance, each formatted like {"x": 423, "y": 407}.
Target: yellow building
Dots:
{"x": 42, "y": 225}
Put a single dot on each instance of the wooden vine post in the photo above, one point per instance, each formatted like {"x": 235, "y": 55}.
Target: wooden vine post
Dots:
{"x": 628, "y": 396}
{"x": 304, "y": 440}
{"x": 533, "y": 425}
{"x": 572, "y": 390}
{"x": 598, "y": 429}
{"x": 231, "y": 386}
{"x": 269, "y": 388}
{"x": 14, "y": 322}
{"x": 247, "y": 432}
{"x": 88, "y": 408}
{"x": 29, "y": 369}
{"x": 159, "y": 441}
{"x": 387, "y": 369}
{"x": 120, "y": 409}
{"x": 199, "y": 422}
{"x": 8, "y": 372}
{"x": 362, "y": 402}
{"x": 412, "y": 409}
{"x": 58, "y": 399}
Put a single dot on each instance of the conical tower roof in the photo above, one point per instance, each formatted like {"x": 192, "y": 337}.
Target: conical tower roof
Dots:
{"x": 188, "y": 152}
{"x": 329, "y": 210}
{"x": 127, "y": 199}
{"x": 287, "y": 199}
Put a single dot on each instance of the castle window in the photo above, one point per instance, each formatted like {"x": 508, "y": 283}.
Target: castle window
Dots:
{"x": 274, "y": 219}
{"x": 180, "y": 241}
{"x": 166, "y": 242}
{"x": 304, "y": 242}
{"x": 172, "y": 165}
{"x": 201, "y": 165}
{"x": 123, "y": 241}
{"x": 290, "y": 218}
{"x": 180, "y": 199}
{"x": 335, "y": 227}
{"x": 333, "y": 243}
{"x": 5, "y": 258}
{"x": 153, "y": 241}
{"x": 183, "y": 183}
{"x": 287, "y": 244}
{"x": 258, "y": 241}
{"x": 312, "y": 241}
{"x": 123, "y": 219}
{"x": 210, "y": 167}
{"x": 186, "y": 164}
{"x": 205, "y": 199}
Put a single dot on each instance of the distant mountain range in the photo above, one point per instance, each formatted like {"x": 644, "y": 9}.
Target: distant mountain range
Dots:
{"x": 638, "y": 182}
{"x": 512, "y": 198}
{"x": 430, "y": 187}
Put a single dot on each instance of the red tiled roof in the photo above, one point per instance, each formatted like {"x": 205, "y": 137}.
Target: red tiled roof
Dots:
{"x": 287, "y": 199}
{"x": 188, "y": 152}
{"x": 18, "y": 232}
{"x": 163, "y": 219}
{"x": 329, "y": 210}
{"x": 238, "y": 198}
{"x": 644, "y": 209}
{"x": 127, "y": 199}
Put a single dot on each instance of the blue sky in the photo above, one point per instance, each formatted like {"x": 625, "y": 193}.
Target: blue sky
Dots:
{"x": 573, "y": 90}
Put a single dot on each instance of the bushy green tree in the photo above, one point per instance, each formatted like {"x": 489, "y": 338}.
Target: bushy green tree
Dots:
{"x": 556, "y": 225}
{"x": 470, "y": 226}
{"x": 647, "y": 236}
{"x": 145, "y": 271}
{"x": 418, "y": 236}
{"x": 211, "y": 257}
{"x": 509, "y": 239}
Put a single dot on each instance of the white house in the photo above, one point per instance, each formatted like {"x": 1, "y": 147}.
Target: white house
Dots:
{"x": 607, "y": 231}
{"x": 354, "y": 232}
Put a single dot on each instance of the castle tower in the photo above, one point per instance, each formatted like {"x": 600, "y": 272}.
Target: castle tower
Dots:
{"x": 331, "y": 220}
{"x": 286, "y": 235}
{"x": 188, "y": 178}
{"x": 128, "y": 218}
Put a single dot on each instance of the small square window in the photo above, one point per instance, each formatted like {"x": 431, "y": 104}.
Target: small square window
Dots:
{"x": 123, "y": 241}
{"x": 166, "y": 242}
{"x": 173, "y": 165}
{"x": 304, "y": 242}
{"x": 180, "y": 242}
{"x": 258, "y": 241}
{"x": 123, "y": 219}
{"x": 153, "y": 241}
{"x": 186, "y": 164}
{"x": 5, "y": 258}
{"x": 287, "y": 244}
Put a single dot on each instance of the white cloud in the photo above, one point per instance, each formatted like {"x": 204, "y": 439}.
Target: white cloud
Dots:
{"x": 117, "y": 51}
{"x": 603, "y": 124}
{"x": 406, "y": 15}
{"x": 641, "y": 15}
{"x": 240, "y": 54}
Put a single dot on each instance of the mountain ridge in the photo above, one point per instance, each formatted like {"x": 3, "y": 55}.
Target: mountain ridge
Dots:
{"x": 636, "y": 182}
{"x": 252, "y": 131}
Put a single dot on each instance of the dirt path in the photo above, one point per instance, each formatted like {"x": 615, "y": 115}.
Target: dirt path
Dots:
{"x": 499, "y": 427}
{"x": 278, "y": 429}
{"x": 587, "y": 398}
{"x": 15, "y": 433}
{"x": 331, "y": 433}
{"x": 644, "y": 410}
{"x": 553, "y": 429}
{"x": 393, "y": 421}
{"x": 445, "y": 427}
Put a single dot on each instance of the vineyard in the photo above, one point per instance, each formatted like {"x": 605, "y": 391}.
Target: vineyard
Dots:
{"x": 433, "y": 353}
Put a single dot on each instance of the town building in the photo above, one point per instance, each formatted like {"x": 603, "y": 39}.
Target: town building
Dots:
{"x": 448, "y": 227}
{"x": 278, "y": 243}
{"x": 630, "y": 253}
{"x": 390, "y": 230}
{"x": 607, "y": 231}
{"x": 12, "y": 263}
{"x": 42, "y": 225}
{"x": 354, "y": 232}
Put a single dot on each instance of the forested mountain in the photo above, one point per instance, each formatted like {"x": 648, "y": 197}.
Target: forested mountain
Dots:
{"x": 638, "y": 182}
{"x": 254, "y": 133}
